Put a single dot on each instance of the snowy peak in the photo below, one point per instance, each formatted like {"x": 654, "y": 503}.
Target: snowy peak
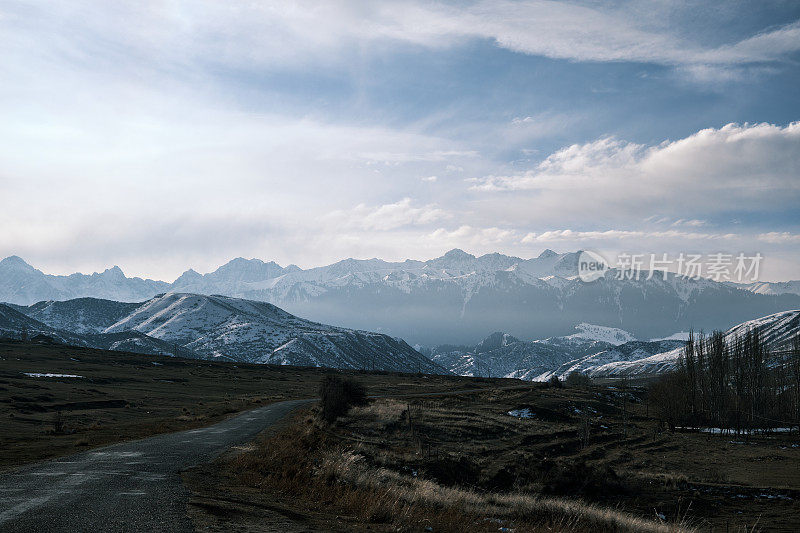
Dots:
{"x": 550, "y": 263}
{"x": 114, "y": 273}
{"x": 190, "y": 276}
{"x": 15, "y": 263}
{"x": 607, "y": 334}
{"x": 770, "y": 288}
{"x": 247, "y": 270}
{"x": 22, "y": 284}
{"x": 494, "y": 341}
{"x": 258, "y": 332}
{"x": 457, "y": 254}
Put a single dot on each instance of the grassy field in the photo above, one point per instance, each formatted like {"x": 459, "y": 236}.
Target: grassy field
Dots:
{"x": 572, "y": 459}
{"x": 121, "y": 396}
{"x": 566, "y": 459}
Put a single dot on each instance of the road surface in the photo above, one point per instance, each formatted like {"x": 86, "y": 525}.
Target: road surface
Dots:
{"x": 131, "y": 486}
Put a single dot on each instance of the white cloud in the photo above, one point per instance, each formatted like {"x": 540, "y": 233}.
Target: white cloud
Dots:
{"x": 695, "y": 223}
{"x": 567, "y": 235}
{"x": 776, "y": 237}
{"x": 405, "y": 157}
{"x": 737, "y": 168}
{"x": 467, "y": 236}
{"x": 111, "y": 111}
{"x": 198, "y": 34}
{"x": 388, "y": 216}
{"x": 430, "y": 179}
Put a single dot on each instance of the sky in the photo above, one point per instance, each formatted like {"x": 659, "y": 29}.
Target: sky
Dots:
{"x": 163, "y": 135}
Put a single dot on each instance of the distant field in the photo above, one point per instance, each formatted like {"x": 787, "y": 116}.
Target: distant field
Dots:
{"x": 121, "y": 396}
{"x": 565, "y": 459}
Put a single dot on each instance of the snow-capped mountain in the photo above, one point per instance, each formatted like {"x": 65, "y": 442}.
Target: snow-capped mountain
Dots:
{"x": 81, "y": 315}
{"x": 456, "y": 298}
{"x": 500, "y": 354}
{"x": 771, "y": 287}
{"x": 592, "y": 332}
{"x": 22, "y": 284}
{"x": 230, "y": 328}
{"x": 14, "y": 324}
{"x": 629, "y": 351}
{"x": 776, "y": 332}
{"x": 17, "y": 325}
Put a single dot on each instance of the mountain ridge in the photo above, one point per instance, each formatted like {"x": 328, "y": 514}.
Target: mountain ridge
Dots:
{"x": 217, "y": 326}
{"x": 457, "y": 298}
{"x": 776, "y": 331}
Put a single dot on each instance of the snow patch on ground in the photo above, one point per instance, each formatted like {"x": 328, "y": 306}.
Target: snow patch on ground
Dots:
{"x": 49, "y": 375}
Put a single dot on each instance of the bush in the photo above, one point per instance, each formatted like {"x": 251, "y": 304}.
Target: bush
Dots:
{"x": 555, "y": 382}
{"x": 338, "y": 395}
{"x": 578, "y": 379}
{"x": 58, "y": 423}
{"x": 580, "y": 479}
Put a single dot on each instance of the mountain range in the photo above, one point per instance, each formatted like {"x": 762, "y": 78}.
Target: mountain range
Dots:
{"x": 200, "y": 326}
{"x": 776, "y": 332}
{"x": 501, "y": 354}
{"x": 457, "y": 298}
{"x": 594, "y": 350}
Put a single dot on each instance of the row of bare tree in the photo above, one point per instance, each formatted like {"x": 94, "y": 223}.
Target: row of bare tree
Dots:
{"x": 737, "y": 385}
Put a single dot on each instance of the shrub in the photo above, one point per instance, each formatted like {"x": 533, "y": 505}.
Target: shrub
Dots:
{"x": 58, "y": 423}
{"x": 578, "y": 379}
{"x": 555, "y": 382}
{"x": 580, "y": 478}
{"x": 338, "y": 395}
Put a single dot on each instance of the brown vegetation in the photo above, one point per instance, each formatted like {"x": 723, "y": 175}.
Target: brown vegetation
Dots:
{"x": 306, "y": 461}
{"x": 125, "y": 396}
{"x": 565, "y": 459}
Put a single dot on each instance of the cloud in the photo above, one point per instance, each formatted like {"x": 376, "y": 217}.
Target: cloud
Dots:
{"x": 388, "y": 216}
{"x": 780, "y": 237}
{"x": 404, "y": 157}
{"x": 695, "y": 223}
{"x": 467, "y": 236}
{"x": 195, "y": 35}
{"x": 567, "y": 235}
{"x": 736, "y": 168}
{"x": 139, "y": 118}
{"x": 430, "y": 179}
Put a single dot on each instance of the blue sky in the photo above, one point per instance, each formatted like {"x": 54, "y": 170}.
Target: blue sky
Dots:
{"x": 166, "y": 135}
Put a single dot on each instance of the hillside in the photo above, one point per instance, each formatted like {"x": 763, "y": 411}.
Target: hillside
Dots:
{"x": 503, "y": 355}
{"x": 16, "y": 325}
{"x": 776, "y": 331}
{"x": 228, "y": 328}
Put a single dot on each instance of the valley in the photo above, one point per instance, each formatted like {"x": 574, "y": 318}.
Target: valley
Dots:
{"x": 57, "y": 400}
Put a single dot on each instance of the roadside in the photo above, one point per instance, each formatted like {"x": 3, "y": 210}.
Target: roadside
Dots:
{"x": 57, "y": 400}
{"x": 579, "y": 459}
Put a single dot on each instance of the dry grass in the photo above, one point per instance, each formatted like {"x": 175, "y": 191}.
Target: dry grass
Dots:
{"x": 308, "y": 462}
{"x": 126, "y": 396}
{"x": 463, "y": 463}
